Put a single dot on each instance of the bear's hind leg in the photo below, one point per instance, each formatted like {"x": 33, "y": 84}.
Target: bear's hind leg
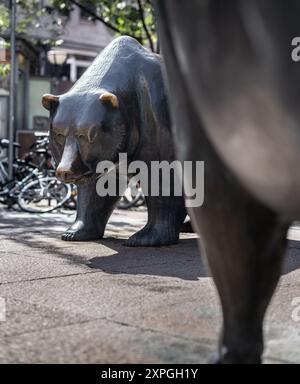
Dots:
{"x": 165, "y": 218}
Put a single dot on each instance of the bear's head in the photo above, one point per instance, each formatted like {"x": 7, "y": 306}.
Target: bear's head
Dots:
{"x": 85, "y": 128}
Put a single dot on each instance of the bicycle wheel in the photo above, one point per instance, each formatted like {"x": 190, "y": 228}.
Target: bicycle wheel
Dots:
{"x": 71, "y": 203}
{"x": 43, "y": 195}
{"x": 130, "y": 199}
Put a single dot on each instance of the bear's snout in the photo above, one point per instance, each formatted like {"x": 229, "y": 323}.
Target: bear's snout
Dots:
{"x": 71, "y": 168}
{"x": 66, "y": 175}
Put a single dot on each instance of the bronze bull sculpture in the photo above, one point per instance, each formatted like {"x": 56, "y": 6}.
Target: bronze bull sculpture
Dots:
{"x": 235, "y": 104}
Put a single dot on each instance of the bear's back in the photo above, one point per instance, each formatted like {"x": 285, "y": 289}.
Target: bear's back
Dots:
{"x": 117, "y": 66}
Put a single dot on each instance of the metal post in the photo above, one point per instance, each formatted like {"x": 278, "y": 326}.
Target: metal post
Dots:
{"x": 12, "y": 88}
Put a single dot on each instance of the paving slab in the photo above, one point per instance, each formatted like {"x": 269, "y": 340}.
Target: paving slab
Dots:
{"x": 102, "y": 302}
{"x": 102, "y": 341}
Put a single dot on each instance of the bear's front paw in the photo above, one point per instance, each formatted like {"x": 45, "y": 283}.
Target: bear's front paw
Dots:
{"x": 68, "y": 235}
{"x": 80, "y": 232}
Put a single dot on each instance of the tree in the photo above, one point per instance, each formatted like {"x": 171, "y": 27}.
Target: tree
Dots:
{"x": 125, "y": 17}
{"x": 4, "y": 23}
{"x": 31, "y": 18}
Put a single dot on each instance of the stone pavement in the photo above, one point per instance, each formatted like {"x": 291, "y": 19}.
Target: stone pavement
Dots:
{"x": 100, "y": 302}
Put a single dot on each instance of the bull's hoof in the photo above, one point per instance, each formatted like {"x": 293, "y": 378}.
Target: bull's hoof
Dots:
{"x": 80, "y": 232}
{"x": 237, "y": 358}
{"x": 152, "y": 236}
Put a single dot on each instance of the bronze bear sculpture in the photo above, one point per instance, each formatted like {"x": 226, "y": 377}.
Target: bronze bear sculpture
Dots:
{"x": 119, "y": 105}
{"x": 235, "y": 95}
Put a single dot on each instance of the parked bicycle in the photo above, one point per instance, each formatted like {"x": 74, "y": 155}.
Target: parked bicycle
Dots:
{"x": 133, "y": 196}
{"x": 34, "y": 187}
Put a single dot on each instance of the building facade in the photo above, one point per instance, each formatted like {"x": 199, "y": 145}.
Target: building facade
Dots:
{"x": 49, "y": 69}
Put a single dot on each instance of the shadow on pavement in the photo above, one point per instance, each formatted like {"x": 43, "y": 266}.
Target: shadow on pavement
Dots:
{"x": 182, "y": 260}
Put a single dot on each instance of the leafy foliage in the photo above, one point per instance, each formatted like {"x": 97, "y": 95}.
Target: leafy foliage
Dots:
{"x": 4, "y": 18}
{"x": 32, "y": 17}
{"x": 125, "y": 17}
{"x": 4, "y": 24}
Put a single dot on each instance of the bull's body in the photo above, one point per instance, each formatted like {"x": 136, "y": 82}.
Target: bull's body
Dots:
{"x": 234, "y": 95}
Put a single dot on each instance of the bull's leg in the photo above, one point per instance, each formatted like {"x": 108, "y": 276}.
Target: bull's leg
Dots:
{"x": 244, "y": 244}
{"x": 165, "y": 218}
{"x": 93, "y": 213}
{"x": 243, "y": 240}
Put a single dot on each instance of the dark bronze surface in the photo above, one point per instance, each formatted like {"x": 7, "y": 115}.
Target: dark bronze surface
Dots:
{"x": 234, "y": 94}
{"x": 118, "y": 105}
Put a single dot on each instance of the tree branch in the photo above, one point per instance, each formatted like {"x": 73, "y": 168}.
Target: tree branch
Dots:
{"x": 95, "y": 16}
{"x": 141, "y": 11}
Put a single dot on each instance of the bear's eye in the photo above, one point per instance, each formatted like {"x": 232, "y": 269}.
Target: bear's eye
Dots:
{"x": 57, "y": 132}
{"x": 59, "y": 137}
{"x": 92, "y": 133}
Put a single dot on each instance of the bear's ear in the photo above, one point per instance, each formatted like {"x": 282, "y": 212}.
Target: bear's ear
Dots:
{"x": 50, "y": 102}
{"x": 108, "y": 97}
